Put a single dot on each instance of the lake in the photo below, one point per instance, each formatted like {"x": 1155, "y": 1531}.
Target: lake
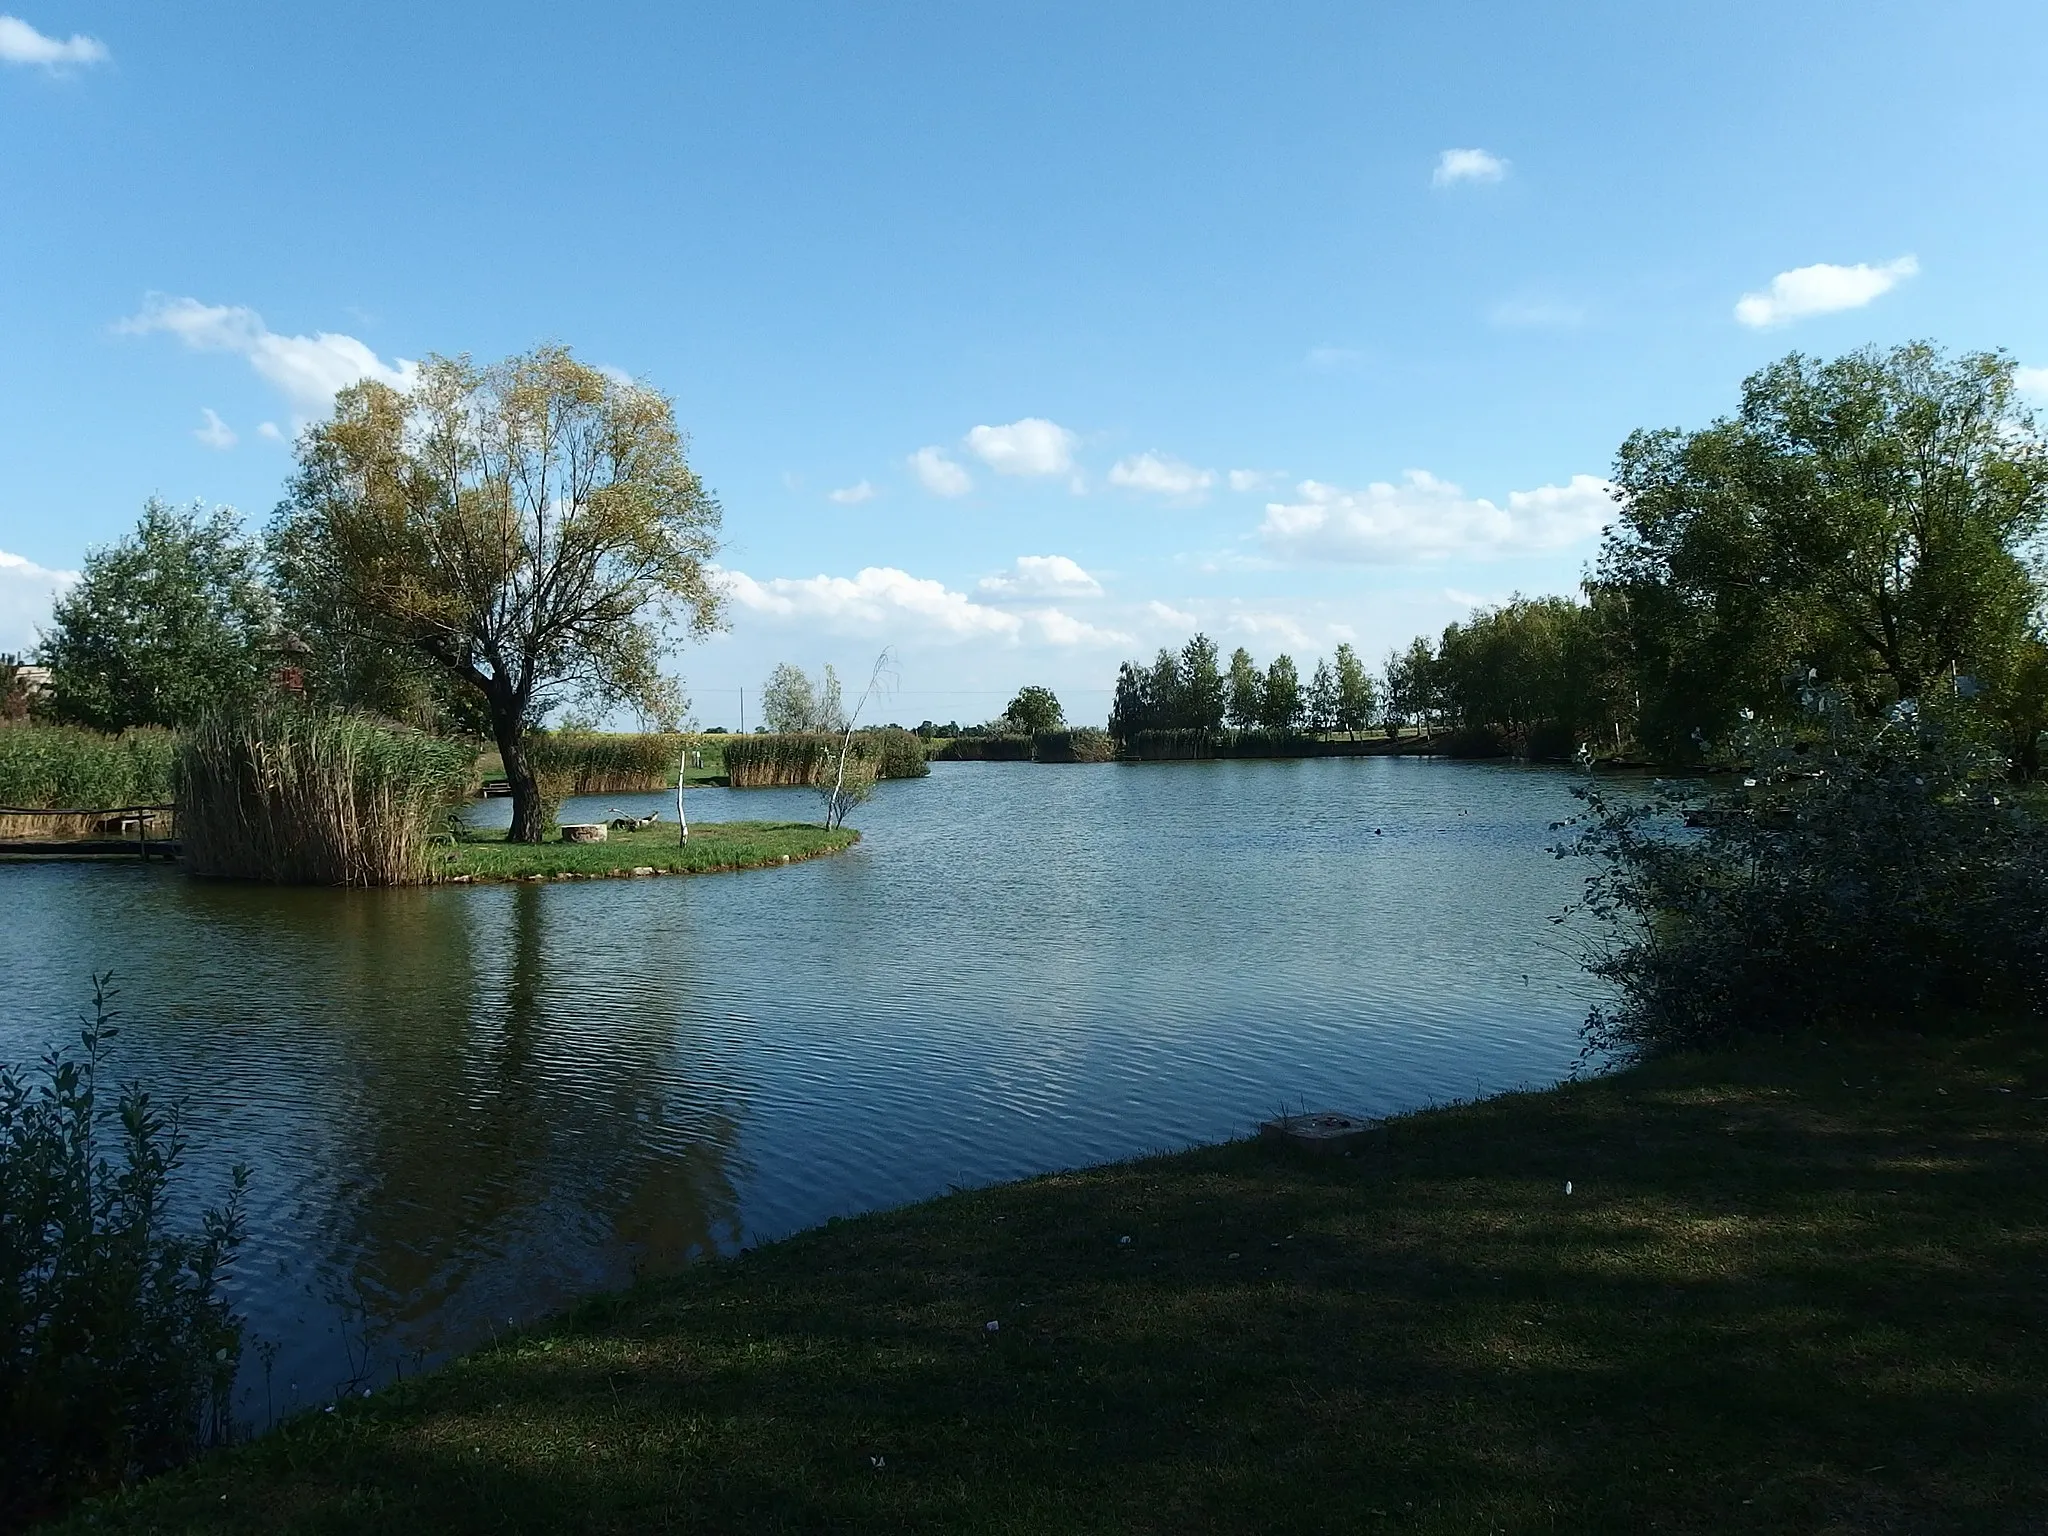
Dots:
{"x": 466, "y": 1106}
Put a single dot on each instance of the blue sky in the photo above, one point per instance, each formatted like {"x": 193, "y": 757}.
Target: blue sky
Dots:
{"x": 1297, "y": 323}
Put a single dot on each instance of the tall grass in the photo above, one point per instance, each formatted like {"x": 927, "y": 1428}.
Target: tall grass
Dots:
{"x": 1084, "y": 744}
{"x": 987, "y": 749}
{"x": 43, "y": 766}
{"x": 605, "y": 762}
{"x": 797, "y": 759}
{"x": 301, "y": 797}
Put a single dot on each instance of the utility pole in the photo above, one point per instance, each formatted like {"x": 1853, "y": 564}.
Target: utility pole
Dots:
{"x": 743, "y": 711}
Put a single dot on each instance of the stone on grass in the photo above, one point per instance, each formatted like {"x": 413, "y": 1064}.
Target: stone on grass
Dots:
{"x": 1325, "y": 1131}
{"x": 585, "y": 832}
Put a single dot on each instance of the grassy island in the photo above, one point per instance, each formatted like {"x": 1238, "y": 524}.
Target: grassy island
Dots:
{"x": 653, "y": 850}
{"x": 1796, "y": 1288}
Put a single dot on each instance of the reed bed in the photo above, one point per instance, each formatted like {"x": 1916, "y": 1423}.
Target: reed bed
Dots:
{"x": 1084, "y": 744}
{"x": 300, "y": 797}
{"x": 799, "y": 759}
{"x": 987, "y": 749}
{"x": 64, "y": 767}
{"x": 605, "y": 762}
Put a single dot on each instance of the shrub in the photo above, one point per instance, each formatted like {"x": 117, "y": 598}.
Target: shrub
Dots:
{"x": 1085, "y": 744}
{"x": 895, "y": 752}
{"x": 300, "y": 796}
{"x": 1855, "y": 881}
{"x": 44, "y": 766}
{"x": 118, "y": 1348}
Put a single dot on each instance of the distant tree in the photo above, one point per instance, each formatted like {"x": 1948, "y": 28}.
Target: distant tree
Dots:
{"x": 1281, "y": 696}
{"x": 1205, "y": 693}
{"x": 532, "y": 528}
{"x": 1246, "y": 702}
{"x": 1320, "y": 703}
{"x": 791, "y": 701}
{"x": 1410, "y": 685}
{"x": 166, "y": 623}
{"x": 14, "y": 691}
{"x": 1354, "y": 691}
{"x": 1127, "y": 709}
{"x": 1165, "y": 694}
{"x": 1035, "y": 709}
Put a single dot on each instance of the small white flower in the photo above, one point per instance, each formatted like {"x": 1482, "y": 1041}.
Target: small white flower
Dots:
{"x": 1567, "y": 1186}
{"x": 1123, "y": 1242}
{"x": 992, "y": 1327}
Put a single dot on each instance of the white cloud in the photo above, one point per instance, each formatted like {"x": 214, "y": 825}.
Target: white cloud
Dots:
{"x": 1042, "y": 576}
{"x": 1166, "y": 614}
{"x": 26, "y": 592}
{"x": 1283, "y": 627}
{"x": 879, "y": 598}
{"x": 214, "y": 432}
{"x": 1161, "y": 475}
{"x": 21, "y": 43}
{"x": 1060, "y": 628}
{"x": 852, "y": 495}
{"x": 1256, "y": 479}
{"x": 1033, "y": 446}
{"x": 307, "y": 369}
{"x": 1424, "y": 518}
{"x": 2033, "y": 380}
{"x": 939, "y": 474}
{"x": 1465, "y": 599}
{"x": 270, "y": 430}
{"x": 1821, "y": 289}
{"x": 1456, "y": 165}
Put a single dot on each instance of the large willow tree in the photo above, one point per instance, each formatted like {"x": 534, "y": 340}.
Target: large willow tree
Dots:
{"x": 532, "y": 530}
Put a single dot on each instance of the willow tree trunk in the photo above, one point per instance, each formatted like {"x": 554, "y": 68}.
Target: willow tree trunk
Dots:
{"x": 529, "y": 814}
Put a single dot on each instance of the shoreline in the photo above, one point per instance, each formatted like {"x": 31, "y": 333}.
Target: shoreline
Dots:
{"x": 1758, "y": 1290}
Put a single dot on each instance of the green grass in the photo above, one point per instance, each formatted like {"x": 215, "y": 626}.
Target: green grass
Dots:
{"x": 712, "y": 846}
{"x": 1799, "y": 1289}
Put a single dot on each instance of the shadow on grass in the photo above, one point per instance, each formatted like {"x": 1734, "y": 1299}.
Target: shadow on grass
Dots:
{"x": 1795, "y": 1290}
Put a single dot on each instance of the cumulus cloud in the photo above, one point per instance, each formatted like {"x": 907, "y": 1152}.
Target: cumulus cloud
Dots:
{"x": 1042, "y": 576}
{"x": 1256, "y": 479}
{"x": 308, "y": 370}
{"x": 2033, "y": 380}
{"x": 1165, "y": 613}
{"x": 27, "y": 591}
{"x": 1033, "y": 446}
{"x": 939, "y": 474}
{"x": 1057, "y": 627}
{"x": 1460, "y": 165}
{"x": 1160, "y": 475}
{"x": 270, "y": 430}
{"x": 21, "y": 43}
{"x": 877, "y": 598}
{"x": 214, "y": 432}
{"x": 1424, "y": 518}
{"x": 1821, "y": 289}
{"x": 852, "y": 495}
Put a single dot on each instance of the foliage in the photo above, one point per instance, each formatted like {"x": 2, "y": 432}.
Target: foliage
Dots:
{"x": 1355, "y": 696}
{"x": 1085, "y": 744}
{"x": 978, "y": 748}
{"x": 845, "y": 785}
{"x": 531, "y": 529}
{"x": 1869, "y": 520}
{"x": 1528, "y": 674}
{"x": 896, "y": 753}
{"x": 167, "y": 623}
{"x": 1245, "y": 697}
{"x": 118, "y": 1346}
{"x": 792, "y": 704}
{"x": 1179, "y": 691}
{"x": 1281, "y": 706}
{"x": 303, "y": 796}
{"x": 1033, "y": 710}
{"x": 45, "y": 766}
{"x": 796, "y": 761}
{"x": 1859, "y": 877}
{"x": 14, "y": 691}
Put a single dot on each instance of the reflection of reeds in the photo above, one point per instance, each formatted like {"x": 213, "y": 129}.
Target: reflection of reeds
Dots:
{"x": 73, "y": 769}
{"x": 301, "y": 797}
{"x": 798, "y": 759}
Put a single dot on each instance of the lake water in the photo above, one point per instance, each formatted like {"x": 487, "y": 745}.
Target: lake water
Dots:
{"x": 469, "y": 1105}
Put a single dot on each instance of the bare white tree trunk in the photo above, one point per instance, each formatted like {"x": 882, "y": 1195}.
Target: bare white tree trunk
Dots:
{"x": 682, "y": 772}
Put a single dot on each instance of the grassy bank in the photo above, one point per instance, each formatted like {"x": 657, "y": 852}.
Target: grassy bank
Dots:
{"x": 712, "y": 846}
{"x": 1798, "y": 1289}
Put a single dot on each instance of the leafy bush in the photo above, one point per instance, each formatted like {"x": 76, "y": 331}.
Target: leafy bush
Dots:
{"x": 1855, "y": 880}
{"x": 310, "y": 797}
{"x": 44, "y": 766}
{"x": 118, "y": 1348}
{"x": 986, "y": 749}
{"x": 895, "y": 752}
